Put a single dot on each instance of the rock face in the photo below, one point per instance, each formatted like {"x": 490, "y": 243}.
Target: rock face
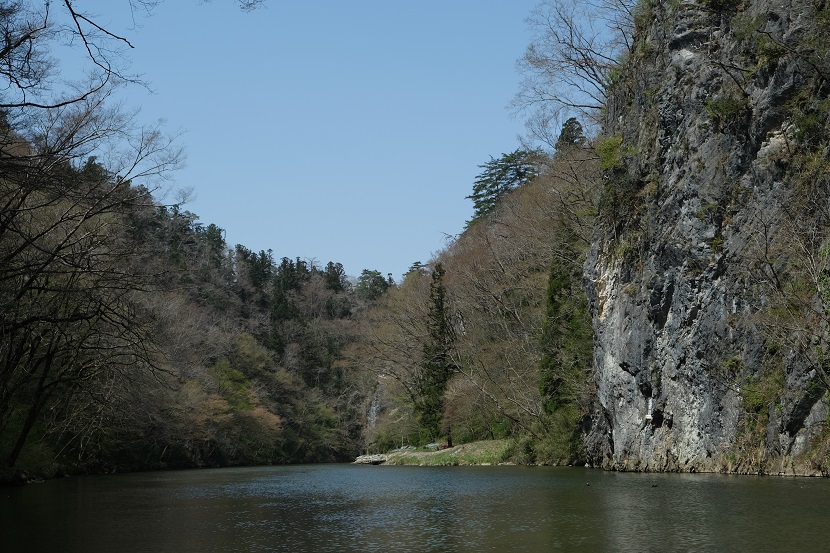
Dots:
{"x": 691, "y": 235}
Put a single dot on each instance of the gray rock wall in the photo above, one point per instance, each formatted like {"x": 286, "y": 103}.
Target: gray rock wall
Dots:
{"x": 671, "y": 276}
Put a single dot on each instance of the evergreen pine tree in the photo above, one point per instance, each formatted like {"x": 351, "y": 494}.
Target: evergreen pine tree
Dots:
{"x": 571, "y": 135}
{"x": 438, "y": 365}
{"x": 499, "y": 177}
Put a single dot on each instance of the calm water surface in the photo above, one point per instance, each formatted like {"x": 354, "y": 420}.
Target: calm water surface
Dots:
{"x": 327, "y": 508}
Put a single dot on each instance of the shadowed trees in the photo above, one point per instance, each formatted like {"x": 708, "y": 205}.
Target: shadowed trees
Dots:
{"x": 131, "y": 336}
{"x": 70, "y": 285}
{"x": 437, "y": 365}
{"x": 70, "y": 277}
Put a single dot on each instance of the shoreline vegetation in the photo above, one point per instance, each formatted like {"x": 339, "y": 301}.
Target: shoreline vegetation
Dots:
{"x": 484, "y": 453}
{"x": 626, "y": 296}
{"x": 502, "y": 452}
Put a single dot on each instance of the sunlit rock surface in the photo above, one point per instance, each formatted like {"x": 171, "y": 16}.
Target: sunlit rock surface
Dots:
{"x": 673, "y": 296}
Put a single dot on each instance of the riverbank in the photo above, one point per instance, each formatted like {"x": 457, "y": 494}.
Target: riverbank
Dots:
{"x": 488, "y": 452}
{"x": 502, "y": 452}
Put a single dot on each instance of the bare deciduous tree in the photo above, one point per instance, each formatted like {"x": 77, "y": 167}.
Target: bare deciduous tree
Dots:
{"x": 570, "y": 62}
{"x": 71, "y": 275}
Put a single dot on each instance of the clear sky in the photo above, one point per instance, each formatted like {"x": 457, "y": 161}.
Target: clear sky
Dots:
{"x": 332, "y": 130}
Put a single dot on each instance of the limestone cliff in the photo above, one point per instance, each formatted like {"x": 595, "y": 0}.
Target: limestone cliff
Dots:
{"x": 711, "y": 229}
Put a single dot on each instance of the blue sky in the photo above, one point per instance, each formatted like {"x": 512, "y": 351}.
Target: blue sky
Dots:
{"x": 331, "y": 130}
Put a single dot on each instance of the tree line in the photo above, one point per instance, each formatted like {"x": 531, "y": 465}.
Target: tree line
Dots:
{"x": 131, "y": 335}
{"x": 492, "y": 338}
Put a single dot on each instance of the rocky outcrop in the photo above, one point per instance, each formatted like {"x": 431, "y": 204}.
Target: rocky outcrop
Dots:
{"x": 691, "y": 230}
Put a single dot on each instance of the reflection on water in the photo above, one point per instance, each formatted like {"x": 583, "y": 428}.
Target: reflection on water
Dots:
{"x": 364, "y": 508}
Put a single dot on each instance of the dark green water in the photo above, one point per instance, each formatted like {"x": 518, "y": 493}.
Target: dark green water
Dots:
{"x": 327, "y": 508}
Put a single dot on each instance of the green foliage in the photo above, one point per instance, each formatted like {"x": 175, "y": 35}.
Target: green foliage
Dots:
{"x": 477, "y": 424}
{"x": 71, "y": 289}
{"x": 437, "y": 364}
{"x": 371, "y": 285}
{"x": 610, "y": 151}
{"x": 131, "y": 336}
{"x": 561, "y": 442}
{"x": 233, "y": 385}
{"x": 810, "y": 117}
{"x": 745, "y": 26}
{"x": 622, "y": 205}
{"x": 706, "y": 210}
{"x": 768, "y": 50}
{"x": 250, "y": 356}
{"x": 259, "y": 266}
{"x": 292, "y": 274}
{"x": 394, "y": 434}
{"x": 555, "y": 440}
{"x": 522, "y": 450}
{"x": 215, "y": 239}
{"x": 315, "y": 435}
{"x": 721, "y": 6}
{"x": 810, "y": 128}
{"x": 729, "y": 111}
{"x": 733, "y": 366}
{"x": 416, "y": 269}
{"x": 758, "y": 394}
{"x": 226, "y": 400}
{"x": 289, "y": 278}
{"x": 758, "y": 44}
{"x": 571, "y": 136}
{"x": 501, "y": 176}
{"x": 480, "y": 352}
{"x": 807, "y": 164}
{"x": 567, "y": 353}
{"x": 615, "y": 73}
{"x": 643, "y": 15}
{"x": 335, "y": 277}
{"x": 567, "y": 342}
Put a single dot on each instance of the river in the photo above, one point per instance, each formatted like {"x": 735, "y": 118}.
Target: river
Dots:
{"x": 344, "y": 508}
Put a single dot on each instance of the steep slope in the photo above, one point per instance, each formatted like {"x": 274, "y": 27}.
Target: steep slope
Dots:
{"x": 709, "y": 243}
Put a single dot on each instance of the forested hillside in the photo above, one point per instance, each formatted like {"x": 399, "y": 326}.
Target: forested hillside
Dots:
{"x": 492, "y": 338}
{"x": 642, "y": 285}
{"x": 131, "y": 335}
{"x": 134, "y": 338}
{"x": 701, "y": 217}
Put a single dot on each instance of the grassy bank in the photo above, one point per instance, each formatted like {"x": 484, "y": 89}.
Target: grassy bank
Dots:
{"x": 490, "y": 452}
